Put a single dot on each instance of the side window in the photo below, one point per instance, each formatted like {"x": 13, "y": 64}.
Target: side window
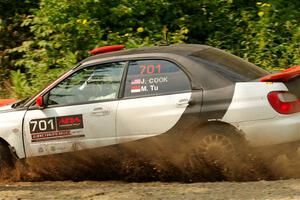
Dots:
{"x": 153, "y": 77}
{"x": 100, "y": 82}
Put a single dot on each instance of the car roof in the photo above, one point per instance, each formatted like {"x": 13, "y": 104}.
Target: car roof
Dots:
{"x": 180, "y": 49}
{"x": 200, "y": 76}
{"x": 185, "y": 55}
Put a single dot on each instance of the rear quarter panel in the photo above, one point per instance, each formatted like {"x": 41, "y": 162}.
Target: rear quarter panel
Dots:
{"x": 261, "y": 125}
{"x": 250, "y": 102}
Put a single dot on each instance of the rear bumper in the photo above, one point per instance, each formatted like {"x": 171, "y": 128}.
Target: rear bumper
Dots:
{"x": 290, "y": 149}
{"x": 278, "y": 130}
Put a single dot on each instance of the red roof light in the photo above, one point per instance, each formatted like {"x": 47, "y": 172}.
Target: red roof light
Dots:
{"x": 106, "y": 49}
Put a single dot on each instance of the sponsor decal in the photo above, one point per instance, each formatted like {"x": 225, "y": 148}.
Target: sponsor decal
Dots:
{"x": 56, "y": 128}
{"x": 69, "y": 122}
{"x": 53, "y": 148}
{"x": 55, "y": 136}
{"x": 41, "y": 150}
{"x": 50, "y": 148}
{"x": 78, "y": 146}
{"x": 50, "y": 134}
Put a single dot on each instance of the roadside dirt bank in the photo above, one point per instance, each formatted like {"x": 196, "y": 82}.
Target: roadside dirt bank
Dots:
{"x": 282, "y": 189}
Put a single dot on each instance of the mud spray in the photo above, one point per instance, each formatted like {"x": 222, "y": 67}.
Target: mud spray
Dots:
{"x": 153, "y": 161}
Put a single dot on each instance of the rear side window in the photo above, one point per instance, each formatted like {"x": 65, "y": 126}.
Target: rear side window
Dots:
{"x": 228, "y": 65}
{"x": 154, "y": 77}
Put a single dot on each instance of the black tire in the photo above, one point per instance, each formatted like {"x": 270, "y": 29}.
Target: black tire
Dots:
{"x": 214, "y": 153}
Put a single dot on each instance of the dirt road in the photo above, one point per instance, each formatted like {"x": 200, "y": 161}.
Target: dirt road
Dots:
{"x": 284, "y": 189}
{"x": 46, "y": 177}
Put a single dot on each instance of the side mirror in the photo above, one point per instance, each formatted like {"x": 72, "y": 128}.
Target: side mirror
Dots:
{"x": 40, "y": 101}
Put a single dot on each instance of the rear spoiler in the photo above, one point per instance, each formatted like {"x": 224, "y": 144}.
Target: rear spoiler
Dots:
{"x": 283, "y": 76}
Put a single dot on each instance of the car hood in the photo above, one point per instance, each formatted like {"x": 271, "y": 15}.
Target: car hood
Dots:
{"x": 5, "y": 108}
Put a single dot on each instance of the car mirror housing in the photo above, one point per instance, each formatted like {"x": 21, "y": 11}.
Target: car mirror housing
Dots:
{"x": 40, "y": 101}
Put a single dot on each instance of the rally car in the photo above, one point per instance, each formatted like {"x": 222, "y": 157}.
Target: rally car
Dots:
{"x": 188, "y": 92}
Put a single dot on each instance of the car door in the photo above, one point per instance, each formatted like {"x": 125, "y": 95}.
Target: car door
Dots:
{"x": 80, "y": 112}
{"x": 156, "y": 94}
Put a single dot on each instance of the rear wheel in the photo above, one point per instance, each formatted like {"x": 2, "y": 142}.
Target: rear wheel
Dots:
{"x": 215, "y": 152}
{"x": 213, "y": 147}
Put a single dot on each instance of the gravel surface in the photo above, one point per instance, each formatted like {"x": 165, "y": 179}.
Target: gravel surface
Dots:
{"x": 282, "y": 189}
{"x": 156, "y": 171}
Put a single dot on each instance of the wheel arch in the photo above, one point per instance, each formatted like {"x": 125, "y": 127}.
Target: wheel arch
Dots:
{"x": 2, "y": 141}
{"x": 224, "y": 125}
{"x": 214, "y": 125}
{"x": 10, "y": 147}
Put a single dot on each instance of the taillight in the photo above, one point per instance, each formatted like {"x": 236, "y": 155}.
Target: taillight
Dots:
{"x": 284, "y": 102}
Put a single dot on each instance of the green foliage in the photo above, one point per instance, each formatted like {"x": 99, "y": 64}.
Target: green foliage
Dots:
{"x": 20, "y": 84}
{"x": 267, "y": 35}
{"x": 62, "y": 31}
{"x": 12, "y": 13}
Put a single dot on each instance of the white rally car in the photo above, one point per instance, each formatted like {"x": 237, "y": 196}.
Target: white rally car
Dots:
{"x": 191, "y": 93}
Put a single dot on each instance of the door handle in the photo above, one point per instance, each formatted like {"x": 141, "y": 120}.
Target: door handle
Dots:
{"x": 100, "y": 111}
{"x": 182, "y": 103}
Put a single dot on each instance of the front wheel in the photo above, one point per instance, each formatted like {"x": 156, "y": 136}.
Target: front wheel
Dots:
{"x": 6, "y": 158}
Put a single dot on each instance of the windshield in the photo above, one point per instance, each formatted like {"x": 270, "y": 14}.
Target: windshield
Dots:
{"x": 228, "y": 65}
